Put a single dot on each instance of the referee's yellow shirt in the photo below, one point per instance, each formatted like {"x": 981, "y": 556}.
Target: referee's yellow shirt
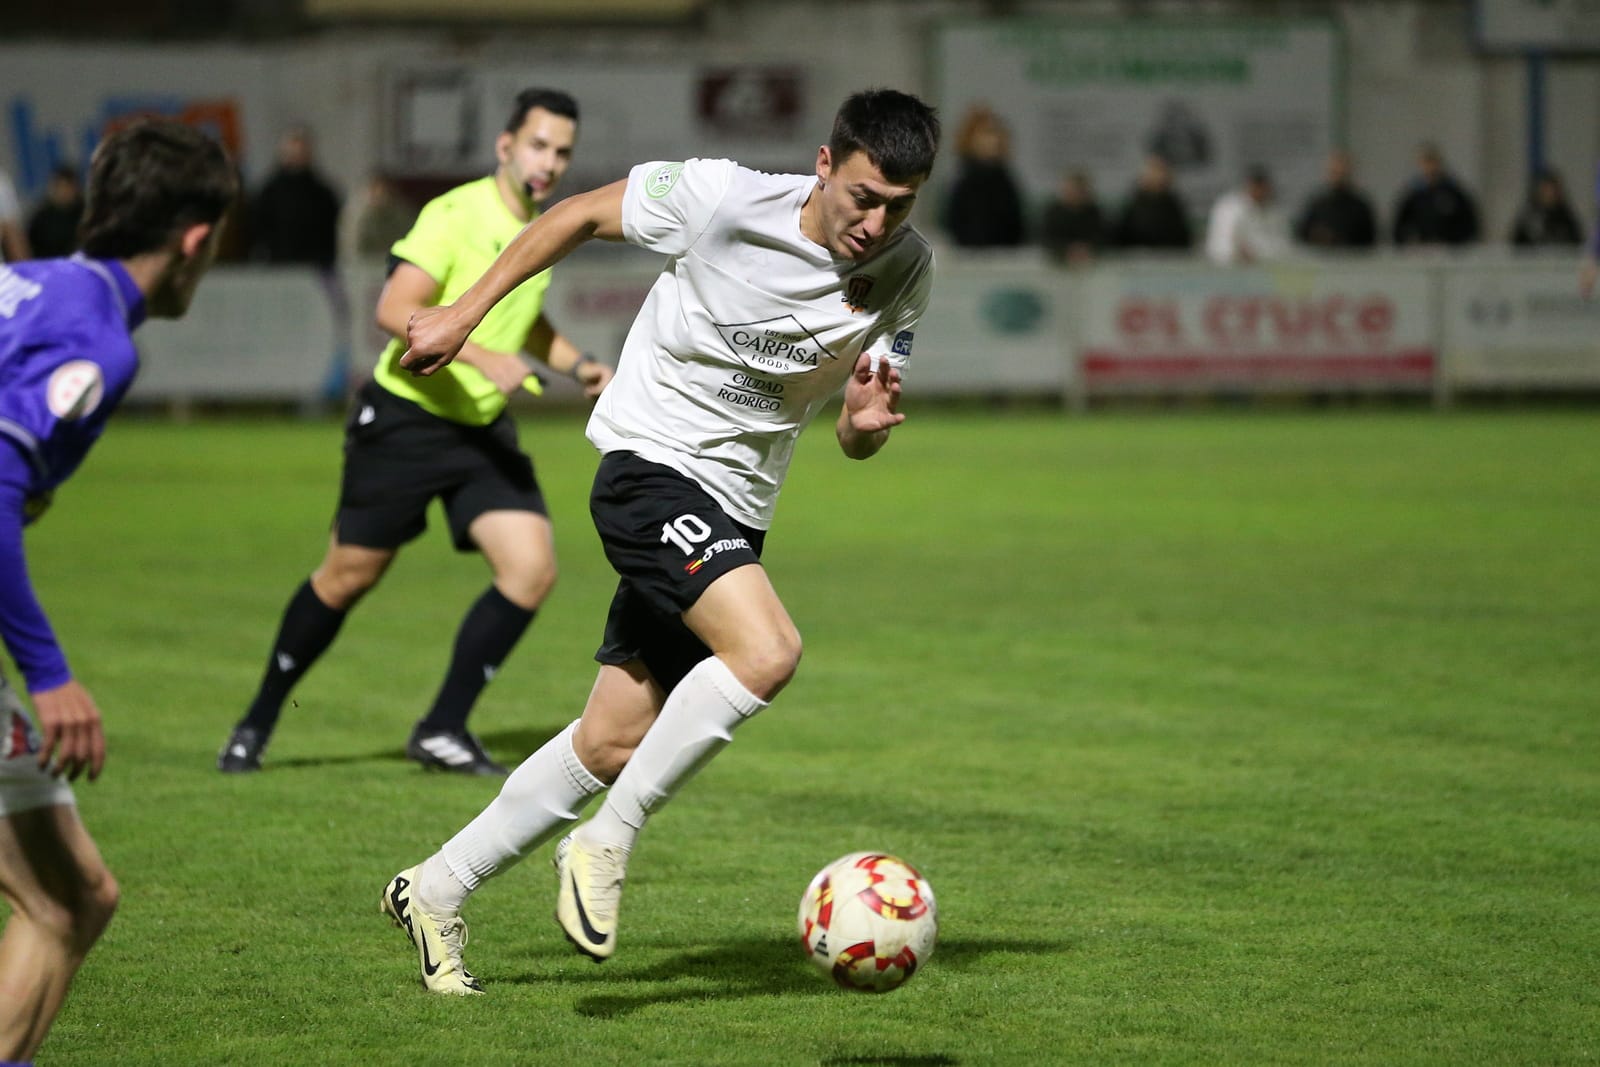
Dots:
{"x": 454, "y": 240}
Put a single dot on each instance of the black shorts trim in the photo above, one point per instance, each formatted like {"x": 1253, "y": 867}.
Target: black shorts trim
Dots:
{"x": 398, "y": 458}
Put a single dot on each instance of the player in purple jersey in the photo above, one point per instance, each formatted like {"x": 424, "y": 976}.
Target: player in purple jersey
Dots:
{"x": 157, "y": 191}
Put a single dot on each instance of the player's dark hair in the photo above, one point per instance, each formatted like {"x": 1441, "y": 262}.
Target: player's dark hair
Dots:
{"x": 898, "y": 132}
{"x": 149, "y": 179}
{"x": 552, "y": 100}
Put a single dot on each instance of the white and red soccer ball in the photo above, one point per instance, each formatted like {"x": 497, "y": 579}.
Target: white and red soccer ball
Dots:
{"x": 868, "y": 921}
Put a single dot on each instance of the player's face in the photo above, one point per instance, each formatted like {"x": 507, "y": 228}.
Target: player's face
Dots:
{"x": 857, "y": 207}
{"x": 534, "y": 158}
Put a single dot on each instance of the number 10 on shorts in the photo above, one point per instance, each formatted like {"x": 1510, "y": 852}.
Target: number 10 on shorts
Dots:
{"x": 684, "y": 532}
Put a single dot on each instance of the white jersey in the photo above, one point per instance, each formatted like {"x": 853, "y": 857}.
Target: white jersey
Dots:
{"x": 750, "y": 328}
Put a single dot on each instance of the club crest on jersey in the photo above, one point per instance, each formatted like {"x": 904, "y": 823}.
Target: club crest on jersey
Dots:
{"x": 74, "y": 390}
{"x": 662, "y": 179}
{"x": 856, "y": 290}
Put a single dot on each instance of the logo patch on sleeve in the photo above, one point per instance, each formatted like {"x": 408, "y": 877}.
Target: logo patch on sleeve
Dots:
{"x": 75, "y": 390}
{"x": 902, "y": 343}
{"x": 662, "y": 179}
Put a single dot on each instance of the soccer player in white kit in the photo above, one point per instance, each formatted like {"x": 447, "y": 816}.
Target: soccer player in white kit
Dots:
{"x": 778, "y": 291}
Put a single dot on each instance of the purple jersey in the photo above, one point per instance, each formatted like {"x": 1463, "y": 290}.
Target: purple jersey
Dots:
{"x": 66, "y": 360}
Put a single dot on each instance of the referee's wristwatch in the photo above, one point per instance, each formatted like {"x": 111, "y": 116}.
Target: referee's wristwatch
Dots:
{"x": 583, "y": 357}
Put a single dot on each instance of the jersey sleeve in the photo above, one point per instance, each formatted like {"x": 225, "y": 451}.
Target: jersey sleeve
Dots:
{"x": 667, "y": 206}
{"x": 432, "y": 242}
{"x": 23, "y": 625}
{"x": 892, "y": 338}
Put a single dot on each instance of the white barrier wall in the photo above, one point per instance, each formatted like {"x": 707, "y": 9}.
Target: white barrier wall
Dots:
{"x": 252, "y": 334}
{"x": 998, "y": 327}
{"x": 1518, "y": 325}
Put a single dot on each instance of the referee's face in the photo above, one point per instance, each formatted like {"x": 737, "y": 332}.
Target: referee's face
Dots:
{"x": 533, "y": 159}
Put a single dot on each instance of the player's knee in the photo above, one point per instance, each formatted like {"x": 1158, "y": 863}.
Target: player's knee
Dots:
{"x": 94, "y": 910}
{"x": 340, "y": 583}
{"x": 766, "y": 662}
{"x": 526, "y": 585}
{"x": 604, "y": 755}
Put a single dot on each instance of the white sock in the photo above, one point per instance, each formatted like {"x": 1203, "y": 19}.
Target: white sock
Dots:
{"x": 437, "y": 890}
{"x": 695, "y": 723}
{"x": 541, "y": 796}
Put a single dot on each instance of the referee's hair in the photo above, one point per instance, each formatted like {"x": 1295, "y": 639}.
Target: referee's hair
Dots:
{"x": 148, "y": 179}
{"x": 552, "y": 100}
{"x": 898, "y": 132}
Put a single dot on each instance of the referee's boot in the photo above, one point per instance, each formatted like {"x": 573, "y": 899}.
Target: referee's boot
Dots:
{"x": 242, "y": 752}
{"x": 451, "y": 750}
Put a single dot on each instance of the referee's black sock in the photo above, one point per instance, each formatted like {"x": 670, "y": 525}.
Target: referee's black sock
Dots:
{"x": 488, "y": 634}
{"x": 308, "y": 628}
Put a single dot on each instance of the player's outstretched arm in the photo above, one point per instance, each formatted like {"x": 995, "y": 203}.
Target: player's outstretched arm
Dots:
{"x": 870, "y": 399}
{"x": 436, "y": 334}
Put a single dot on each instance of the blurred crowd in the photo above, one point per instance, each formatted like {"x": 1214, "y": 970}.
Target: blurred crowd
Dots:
{"x": 984, "y": 208}
{"x": 297, "y": 216}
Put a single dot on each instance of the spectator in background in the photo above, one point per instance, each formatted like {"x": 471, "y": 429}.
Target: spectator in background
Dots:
{"x": 984, "y": 207}
{"x": 1154, "y": 216}
{"x": 53, "y": 229}
{"x": 1547, "y": 218}
{"x": 295, "y": 216}
{"x": 1073, "y": 230}
{"x": 1180, "y": 136}
{"x": 1246, "y": 225}
{"x": 1339, "y": 215}
{"x": 13, "y": 242}
{"x": 385, "y": 218}
{"x": 1435, "y": 209}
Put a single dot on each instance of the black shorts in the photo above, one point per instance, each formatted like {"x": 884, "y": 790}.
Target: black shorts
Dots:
{"x": 398, "y": 457}
{"x": 668, "y": 540}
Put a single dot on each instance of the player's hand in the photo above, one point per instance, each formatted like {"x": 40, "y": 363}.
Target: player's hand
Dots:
{"x": 505, "y": 371}
{"x": 69, "y": 724}
{"x": 433, "y": 337}
{"x": 871, "y": 396}
{"x": 594, "y": 376}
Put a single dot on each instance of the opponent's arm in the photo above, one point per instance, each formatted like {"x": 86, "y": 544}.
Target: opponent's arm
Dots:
{"x": 870, "y": 399}
{"x": 552, "y": 348}
{"x": 68, "y": 718}
{"x": 437, "y": 334}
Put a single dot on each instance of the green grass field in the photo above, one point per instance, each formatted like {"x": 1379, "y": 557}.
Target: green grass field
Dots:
{"x": 1237, "y": 739}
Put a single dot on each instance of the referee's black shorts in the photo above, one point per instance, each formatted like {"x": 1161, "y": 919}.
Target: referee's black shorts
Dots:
{"x": 668, "y": 540}
{"x": 398, "y": 457}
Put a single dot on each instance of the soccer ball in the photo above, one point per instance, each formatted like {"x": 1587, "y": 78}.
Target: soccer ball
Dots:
{"x": 868, "y": 921}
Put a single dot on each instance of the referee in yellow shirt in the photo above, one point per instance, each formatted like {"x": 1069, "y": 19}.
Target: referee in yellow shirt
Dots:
{"x": 410, "y": 439}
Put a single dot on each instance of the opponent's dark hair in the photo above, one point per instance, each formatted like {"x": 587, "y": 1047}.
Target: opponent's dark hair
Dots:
{"x": 898, "y": 132}
{"x": 149, "y": 179}
{"x": 552, "y": 100}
